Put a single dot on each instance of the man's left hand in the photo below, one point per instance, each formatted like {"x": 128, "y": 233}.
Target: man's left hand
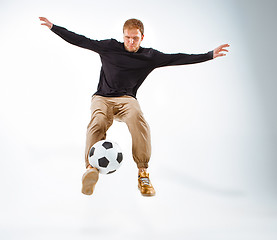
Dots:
{"x": 218, "y": 52}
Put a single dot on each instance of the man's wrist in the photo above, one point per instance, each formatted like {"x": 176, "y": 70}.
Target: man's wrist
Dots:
{"x": 211, "y": 54}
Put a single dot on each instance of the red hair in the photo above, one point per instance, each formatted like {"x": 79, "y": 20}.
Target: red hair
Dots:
{"x": 134, "y": 23}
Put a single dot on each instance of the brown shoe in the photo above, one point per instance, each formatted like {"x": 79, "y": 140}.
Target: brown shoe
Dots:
{"x": 145, "y": 185}
{"x": 89, "y": 180}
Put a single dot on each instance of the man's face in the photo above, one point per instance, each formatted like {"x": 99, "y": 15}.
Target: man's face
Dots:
{"x": 132, "y": 39}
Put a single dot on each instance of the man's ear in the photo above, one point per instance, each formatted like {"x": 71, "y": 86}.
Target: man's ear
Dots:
{"x": 142, "y": 37}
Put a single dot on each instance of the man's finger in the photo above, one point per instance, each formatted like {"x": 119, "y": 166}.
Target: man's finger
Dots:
{"x": 44, "y": 19}
{"x": 224, "y": 45}
{"x": 219, "y": 55}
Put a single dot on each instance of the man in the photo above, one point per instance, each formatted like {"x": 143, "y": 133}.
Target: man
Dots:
{"x": 124, "y": 68}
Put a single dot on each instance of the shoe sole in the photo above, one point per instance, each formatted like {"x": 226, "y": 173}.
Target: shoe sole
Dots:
{"x": 89, "y": 180}
{"x": 145, "y": 194}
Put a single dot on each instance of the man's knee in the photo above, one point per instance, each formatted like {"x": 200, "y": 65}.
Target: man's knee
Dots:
{"x": 135, "y": 115}
{"x": 98, "y": 123}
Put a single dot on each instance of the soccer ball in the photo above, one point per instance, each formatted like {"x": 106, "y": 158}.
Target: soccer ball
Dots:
{"x": 106, "y": 156}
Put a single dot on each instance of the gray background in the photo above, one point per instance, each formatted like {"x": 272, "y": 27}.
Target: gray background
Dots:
{"x": 213, "y": 124}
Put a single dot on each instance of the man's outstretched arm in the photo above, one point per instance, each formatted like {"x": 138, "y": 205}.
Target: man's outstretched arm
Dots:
{"x": 162, "y": 59}
{"x": 73, "y": 38}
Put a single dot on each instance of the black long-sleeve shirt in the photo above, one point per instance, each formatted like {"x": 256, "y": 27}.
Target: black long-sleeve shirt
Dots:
{"x": 123, "y": 72}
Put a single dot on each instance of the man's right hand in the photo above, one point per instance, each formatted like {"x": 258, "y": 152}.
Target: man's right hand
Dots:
{"x": 46, "y": 22}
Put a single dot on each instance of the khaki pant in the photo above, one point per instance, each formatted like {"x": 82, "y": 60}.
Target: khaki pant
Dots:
{"x": 126, "y": 109}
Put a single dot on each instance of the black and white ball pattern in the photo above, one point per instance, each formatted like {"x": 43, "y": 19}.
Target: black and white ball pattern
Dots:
{"x": 106, "y": 156}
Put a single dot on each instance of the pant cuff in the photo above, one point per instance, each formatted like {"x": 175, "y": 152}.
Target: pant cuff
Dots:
{"x": 142, "y": 165}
